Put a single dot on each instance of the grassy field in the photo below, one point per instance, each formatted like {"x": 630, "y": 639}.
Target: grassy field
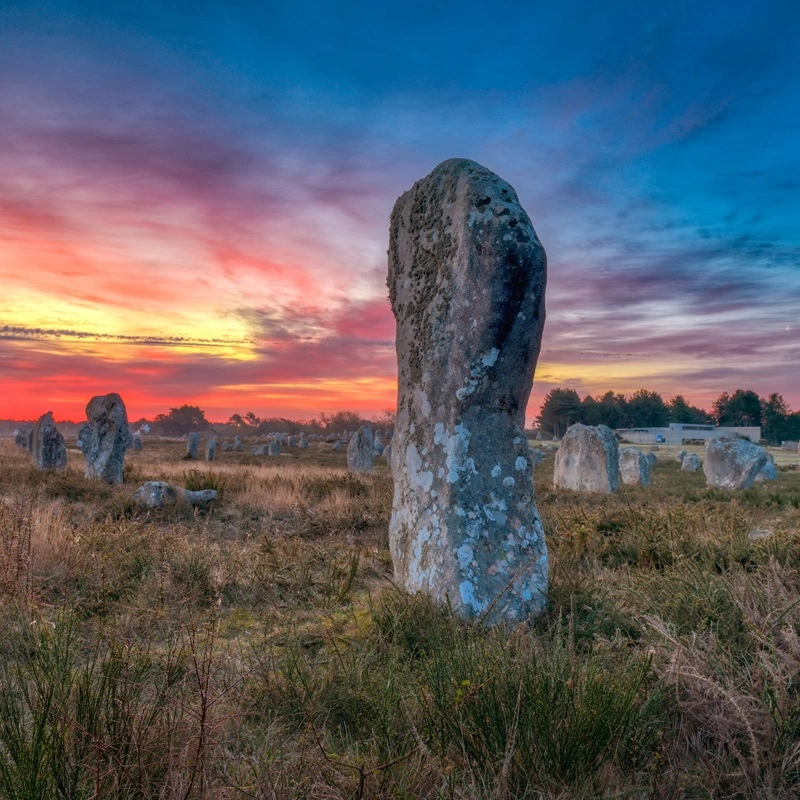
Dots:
{"x": 261, "y": 651}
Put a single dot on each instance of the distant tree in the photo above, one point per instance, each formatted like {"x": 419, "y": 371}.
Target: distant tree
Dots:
{"x": 681, "y": 411}
{"x": 560, "y": 409}
{"x": 591, "y": 413}
{"x": 341, "y": 421}
{"x": 613, "y": 410}
{"x": 777, "y": 418}
{"x": 646, "y": 409}
{"x": 386, "y": 419}
{"x": 741, "y": 409}
{"x": 182, "y": 420}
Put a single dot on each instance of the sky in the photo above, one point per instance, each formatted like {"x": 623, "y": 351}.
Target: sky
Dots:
{"x": 194, "y": 197}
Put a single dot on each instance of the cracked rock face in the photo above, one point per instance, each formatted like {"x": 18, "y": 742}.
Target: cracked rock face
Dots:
{"x": 732, "y": 463}
{"x": 105, "y": 437}
{"x": 588, "y": 460}
{"x": 48, "y": 447}
{"x": 466, "y": 281}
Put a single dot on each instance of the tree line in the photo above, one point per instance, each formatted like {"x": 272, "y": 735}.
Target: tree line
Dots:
{"x": 647, "y": 409}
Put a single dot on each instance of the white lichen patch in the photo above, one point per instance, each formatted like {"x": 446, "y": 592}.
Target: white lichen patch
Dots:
{"x": 521, "y": 463}
{"x": 509, "y": 481}
{"x": 496, "y": 471}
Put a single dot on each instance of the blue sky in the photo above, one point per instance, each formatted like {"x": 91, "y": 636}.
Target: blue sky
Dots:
{"x": 207, "y": 171}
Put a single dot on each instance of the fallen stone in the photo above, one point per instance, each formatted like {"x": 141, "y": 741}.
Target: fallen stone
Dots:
{"x": 361, "y": 451}
{"x": 634, "y": 466}
{"x": 732, "y": 463}
{"x": 588, "y": 460}
{"x": 105, "y": 438}
{"x": 466, "y": 283}
{"x": 158, "y": 494}
{"x": 49, "y": 449}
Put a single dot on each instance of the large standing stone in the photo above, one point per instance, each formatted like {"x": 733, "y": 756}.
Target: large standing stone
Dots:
{"x": 466, "y": 282}
{"x": 588, "y": 460}
{"x": 361, "y": 451}
{"x": 634, "y": 466}
{"x": 193, "y": 446}
{"x": 690, "y": 463}
{"x": 49, "y": 448}
{"x": 732, "y": 463}
{"x": 24, "y": 436}
{"x": 105, "y": 438}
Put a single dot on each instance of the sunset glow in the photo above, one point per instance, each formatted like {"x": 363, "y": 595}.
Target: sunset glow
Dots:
{"x": 194, "y": 206}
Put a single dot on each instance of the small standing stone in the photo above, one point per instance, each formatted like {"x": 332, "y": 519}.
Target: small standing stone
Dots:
{"x": 634, "y": 467}
{"x": 274, "y": 447}
{"x": 24, "y": 436}
{"x": 337, "y": 446}
{"x": 387, "y": 454}
{"x": 680, "y": 455}
{"x": 193, "y": 446}
{"x": 211, "y": 449}
{"x": 49, "y": 448}
{"x": 136, "y": 441}
{"x": 303, "y": 441}
{"x": 652, "y": 458}
{"x": 690, "y": 463}
{"x": 732, "y": 463}
{"x": 361, "y": 451}
{"x": 588, "y": 460}
{"x": 238, "y": 445}
{"x": 769, "y": 472}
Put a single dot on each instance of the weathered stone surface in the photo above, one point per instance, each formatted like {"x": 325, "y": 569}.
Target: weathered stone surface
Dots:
{"x": 387, "y": 454}
{"x": 378, "y": 445}
{"x": 211, "y": 449}
{"x": 292, "y": 441}
{"x": 588, "y": 460}
{"x": 158, "y": 494}
{"x": 732, "y": 463}
{"x": 303, "y": 442}
{"x": 105, "y": 437}
{"x": 537, "y": 456}
{"x": 679, "y": 456}
{"x": 361, "y": 451}
{"x": 238, "y": 445}
{"x": 274, "y": 447}
{"x": 466, "y": 282}
{"x": 193, "y": 446}
{"x": 136, "y": 442}
{"x": 49, "y": 449}
{"x": 634, "y": 466}
{"x": 24, "y": 436}
{"x": 690, "y": 463}
{"x": 652, "y": 458}
{"x": 769, "y": 472}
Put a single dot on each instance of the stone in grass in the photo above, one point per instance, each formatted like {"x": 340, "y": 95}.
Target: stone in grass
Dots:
{"x": 732, "y": 463}
{"x": 769, "y": 472}
{"x": 211, "y": 449}
{"x": 634, "y": 467}
{"x": 274, "y": 448}
{"x": 193, "y": 446}
{"x": 49, "y": 449}
{"x": 136, "y": 442}
{"x": 105, "y": 438}
{"x": 466, "y": 283}
{"x": 158, "y": 494}
{"x": 24, "y": 436}
{"x": 680, "y": 455}
{"x": 361, "y": 451}
{"x": 652, "y": 458}
{"x": 690, "y": 463}
{"x": 238, "y": 445}
{"x": 588, "y": 460}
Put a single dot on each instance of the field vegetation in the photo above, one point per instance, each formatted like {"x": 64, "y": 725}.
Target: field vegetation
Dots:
{"x": 260, "y": 650}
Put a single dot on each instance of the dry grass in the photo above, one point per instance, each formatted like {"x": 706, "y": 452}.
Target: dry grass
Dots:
{"x": 260, "y": 650}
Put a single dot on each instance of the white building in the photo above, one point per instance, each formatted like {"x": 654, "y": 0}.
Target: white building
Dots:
{"x": 681, "y": 432}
